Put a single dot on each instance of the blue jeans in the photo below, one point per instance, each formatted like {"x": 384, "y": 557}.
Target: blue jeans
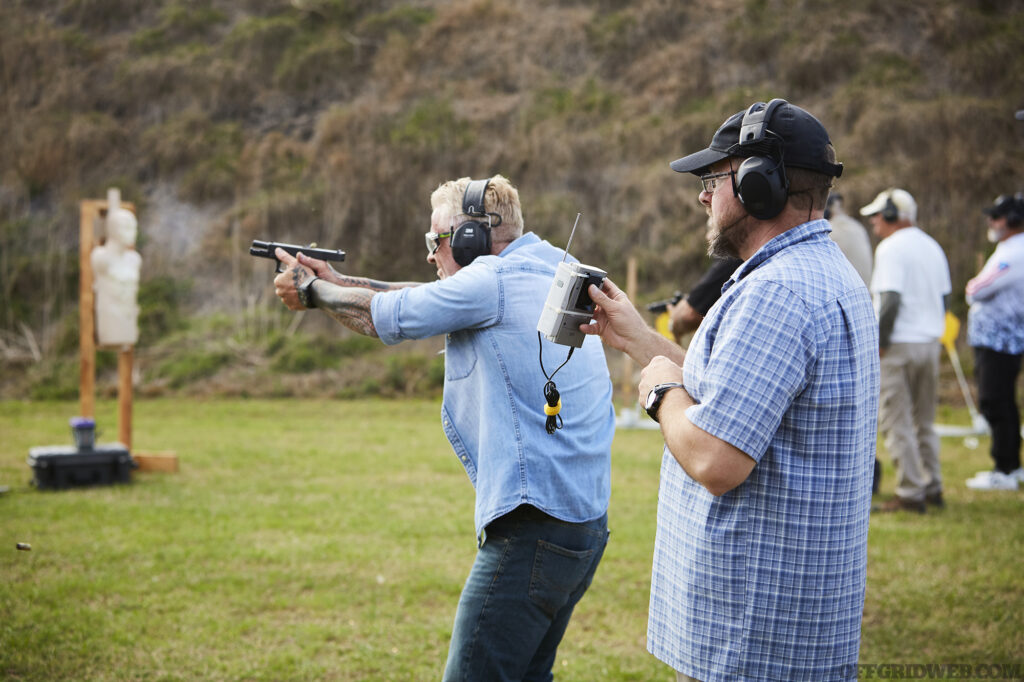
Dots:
{"x": 528, "y": 575}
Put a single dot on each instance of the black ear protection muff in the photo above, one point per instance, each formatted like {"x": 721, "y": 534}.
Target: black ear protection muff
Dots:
{"x": 890, "y": 212}
{"x": 761, "y": 184}
{"x": 473, "y": 237}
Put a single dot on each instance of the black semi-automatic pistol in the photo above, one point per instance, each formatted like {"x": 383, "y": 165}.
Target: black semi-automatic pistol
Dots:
{"x": 659, "y": 307}
{"x": 266, "y": 250}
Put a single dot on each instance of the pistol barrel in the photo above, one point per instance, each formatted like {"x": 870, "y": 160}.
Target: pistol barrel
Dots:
{"x": 264, "y": 249}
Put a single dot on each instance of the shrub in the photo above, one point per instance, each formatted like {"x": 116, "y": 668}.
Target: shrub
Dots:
{"x": 590, "y": 99}
{"x": 180, "y": 22}
{"x": 430, "y": 125}
{"x": 192, "y": 365}
{"x": 404, "y": 20}
{"x": 105, "y": 15}
{"x": 314, "y": 64}
{"x": 412, "y": 373}
{"x": 355, "y": 345}
{"x": 610, "y": 33}
{"x": 57, "y": 380}
{"x": 160, "y": 303}
{"x": 303, "y": 354}
{"x": 191, "y": 138}
{"x": 212, "y": 179}
{"x": 259, "y": 44}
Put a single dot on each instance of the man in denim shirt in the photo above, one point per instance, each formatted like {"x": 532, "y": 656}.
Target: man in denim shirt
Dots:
{"x": 769, "y": 421}
{"x": 541, "y": 499}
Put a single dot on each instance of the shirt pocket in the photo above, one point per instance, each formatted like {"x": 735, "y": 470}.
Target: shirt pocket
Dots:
{"x": 459, "y": 355}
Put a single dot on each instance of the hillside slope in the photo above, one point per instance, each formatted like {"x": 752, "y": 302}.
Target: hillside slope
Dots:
{"x": 332, "y": 120}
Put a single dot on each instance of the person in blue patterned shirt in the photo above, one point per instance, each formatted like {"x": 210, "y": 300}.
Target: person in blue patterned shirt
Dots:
{"x": 995, "y": 330}
{"x": 769, "y": 420}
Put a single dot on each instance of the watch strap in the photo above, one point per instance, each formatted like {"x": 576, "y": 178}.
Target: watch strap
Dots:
{"x": 659, "y": 392}
{"x": 305, "y": 292}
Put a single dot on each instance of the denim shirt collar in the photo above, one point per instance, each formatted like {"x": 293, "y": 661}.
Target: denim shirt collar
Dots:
{"x": 526, "y": 239}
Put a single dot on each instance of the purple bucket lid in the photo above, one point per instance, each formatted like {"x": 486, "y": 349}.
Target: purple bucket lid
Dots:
{"x": 82, "y": 422}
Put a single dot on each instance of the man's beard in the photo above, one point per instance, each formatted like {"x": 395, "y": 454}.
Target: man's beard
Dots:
{"x": 724, "y": 242}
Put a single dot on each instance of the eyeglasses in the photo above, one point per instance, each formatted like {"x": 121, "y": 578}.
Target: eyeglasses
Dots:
{"x": 710, "y": 181}
{"x": 434, "y": 241}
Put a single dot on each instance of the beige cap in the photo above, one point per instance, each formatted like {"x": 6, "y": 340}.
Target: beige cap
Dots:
{"x": 893, "y": 204}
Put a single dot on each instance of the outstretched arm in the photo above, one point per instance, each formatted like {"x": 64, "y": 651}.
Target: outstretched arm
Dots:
{"x": 324, "y": 271}
{"x": 683, "y": 319}
{"x": 349, "y": 305}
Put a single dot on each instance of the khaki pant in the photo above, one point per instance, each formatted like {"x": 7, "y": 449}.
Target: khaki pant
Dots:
{"x": 680, "y": 677}
{"x": 906, "y": 417}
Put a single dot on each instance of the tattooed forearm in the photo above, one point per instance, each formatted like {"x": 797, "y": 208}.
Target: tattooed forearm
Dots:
{"x": 348, "y": 305}
{"x": 367, "y": 283}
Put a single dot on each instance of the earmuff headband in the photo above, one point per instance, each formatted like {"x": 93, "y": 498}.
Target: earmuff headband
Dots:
{"x": 472, "y": 238}
{"x": 473, "y": 199}
{"x": 754, "y": 127}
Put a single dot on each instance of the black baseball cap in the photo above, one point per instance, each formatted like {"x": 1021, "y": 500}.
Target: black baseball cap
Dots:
{"x": 802, "y": 137}
{"x": 1004, "y": 205}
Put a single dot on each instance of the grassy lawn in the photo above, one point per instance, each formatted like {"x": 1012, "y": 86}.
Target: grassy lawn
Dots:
{"x": 328, "y": 540}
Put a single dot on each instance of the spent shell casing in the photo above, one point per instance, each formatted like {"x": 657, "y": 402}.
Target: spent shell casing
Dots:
{"x": 24, "y": 547}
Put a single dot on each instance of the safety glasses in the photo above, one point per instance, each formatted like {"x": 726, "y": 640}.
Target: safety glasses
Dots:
{"x": 711, "y": 181}
{"x": 434, "y": 241}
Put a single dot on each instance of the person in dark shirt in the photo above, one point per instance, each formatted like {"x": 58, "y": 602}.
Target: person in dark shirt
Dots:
{"x": 687, "y": 315}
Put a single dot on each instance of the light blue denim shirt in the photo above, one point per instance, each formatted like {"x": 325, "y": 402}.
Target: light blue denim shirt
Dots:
{"x": 493, "y": 407}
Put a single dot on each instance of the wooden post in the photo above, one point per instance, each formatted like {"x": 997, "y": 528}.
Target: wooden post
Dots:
{"x": 628, "y": 386}
{"x": 124, "y": 396}
{"x": 89, "y": 210}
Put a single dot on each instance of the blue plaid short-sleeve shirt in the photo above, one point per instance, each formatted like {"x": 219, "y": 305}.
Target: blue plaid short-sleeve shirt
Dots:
{"x": 766, "y": 582}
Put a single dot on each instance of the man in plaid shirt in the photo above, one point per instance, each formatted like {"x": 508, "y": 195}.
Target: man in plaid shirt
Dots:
{"x": 769, "y": 421}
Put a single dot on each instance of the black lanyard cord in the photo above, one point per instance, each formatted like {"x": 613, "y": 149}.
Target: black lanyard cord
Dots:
{"x": 553, "y": 401}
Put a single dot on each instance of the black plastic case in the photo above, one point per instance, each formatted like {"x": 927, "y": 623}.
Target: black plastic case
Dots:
{"x": 57, "y": 467}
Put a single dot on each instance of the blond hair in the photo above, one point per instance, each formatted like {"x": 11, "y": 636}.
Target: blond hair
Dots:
{"x": 501, "y": 198}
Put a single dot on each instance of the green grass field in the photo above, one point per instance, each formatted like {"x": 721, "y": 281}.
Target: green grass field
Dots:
{"x": 328, "y": 540}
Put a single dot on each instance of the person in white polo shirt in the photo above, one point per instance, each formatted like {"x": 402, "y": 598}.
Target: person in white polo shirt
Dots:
{"x": 911, "y": 289}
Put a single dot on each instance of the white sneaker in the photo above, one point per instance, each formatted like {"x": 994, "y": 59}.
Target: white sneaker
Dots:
{"x": 992, "y": 480}
{"x": 1018, "y": 474}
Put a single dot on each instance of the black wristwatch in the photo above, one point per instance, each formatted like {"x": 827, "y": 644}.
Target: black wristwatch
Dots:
{"x": 655, "y": 396}
{"x": 305, "y": 292}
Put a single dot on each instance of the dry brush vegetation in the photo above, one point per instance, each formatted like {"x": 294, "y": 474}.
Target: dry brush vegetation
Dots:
{"x": 331, "y": 121}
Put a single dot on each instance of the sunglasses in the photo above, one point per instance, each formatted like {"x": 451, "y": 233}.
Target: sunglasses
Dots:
{"x": 433, "y": 240}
